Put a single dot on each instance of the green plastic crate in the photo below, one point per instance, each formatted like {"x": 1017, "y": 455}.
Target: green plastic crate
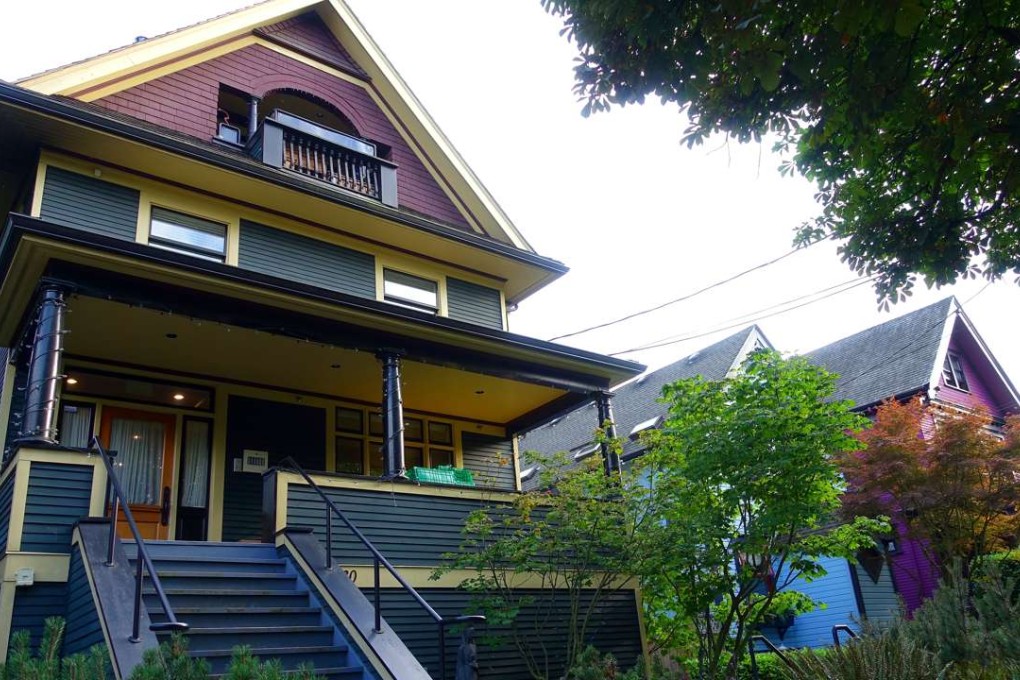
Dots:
{"x": 443, "y": 474}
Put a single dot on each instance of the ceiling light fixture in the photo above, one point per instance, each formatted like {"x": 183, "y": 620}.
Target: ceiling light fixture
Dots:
{"x": 72, "y": 381}
{"x": 178, "y": 397}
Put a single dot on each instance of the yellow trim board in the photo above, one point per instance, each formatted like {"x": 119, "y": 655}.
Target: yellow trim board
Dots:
{"x": 375, "y": 485}
{"x": 48, "y": 567}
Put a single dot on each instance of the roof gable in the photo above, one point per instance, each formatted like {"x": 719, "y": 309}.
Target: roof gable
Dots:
{"x": 340, "y": 41}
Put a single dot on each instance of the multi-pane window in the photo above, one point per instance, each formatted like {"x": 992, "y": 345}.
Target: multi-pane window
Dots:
{"x": 188, "y": 234}
{"x": 952, "y": 372}
{"x": 410, "y": 291}
{"x": 359, "y": 441}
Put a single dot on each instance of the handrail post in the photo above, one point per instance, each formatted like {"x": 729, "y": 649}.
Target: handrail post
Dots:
{"x": 329, "y": 538}
{"x": 136, "y": 628}
{"x": 378, "y": 598}
{"x": 114, "y": 514}
{"x": 442, "y": 649}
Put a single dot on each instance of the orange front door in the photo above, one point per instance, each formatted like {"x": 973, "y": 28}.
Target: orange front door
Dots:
{"x": 144, "y": 443}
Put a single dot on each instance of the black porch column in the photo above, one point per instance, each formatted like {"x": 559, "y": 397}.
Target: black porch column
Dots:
{"x": 40, "y": 420}
{"x": 393, "y": 415}
{"x": 610, "y": 458}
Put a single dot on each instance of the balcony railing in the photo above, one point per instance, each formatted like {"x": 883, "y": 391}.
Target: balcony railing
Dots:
{"x": 292, "y": 143}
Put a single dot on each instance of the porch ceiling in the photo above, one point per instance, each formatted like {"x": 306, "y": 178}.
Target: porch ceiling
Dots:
{"x": 195, "y": 349}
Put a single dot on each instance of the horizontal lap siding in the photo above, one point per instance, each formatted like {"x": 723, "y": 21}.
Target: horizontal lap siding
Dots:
{"x": 613, "y": 629}
{"x": 6, "y": 494}
{"x": 36, "y": 603}
{"x": 83, "y": 627}
{"x": 89, "y": 203}
{"x": 491, "y": 461}
{"x": 409, "y": 529}
{"x": 298, "y": 258}
{"x": 836, "y": 592}
{"x": 186, "y": 102}
{"x": 473, "y": 303}
{"x": 881, "y": 603}
{"x": 58, "y": 496}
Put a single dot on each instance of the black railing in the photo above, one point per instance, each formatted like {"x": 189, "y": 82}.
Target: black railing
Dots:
{"x": 753, "y": 650}
{"x": 379, "y": 561}
{"x": 842, "y": 628}
{"x": 117, "y": 500}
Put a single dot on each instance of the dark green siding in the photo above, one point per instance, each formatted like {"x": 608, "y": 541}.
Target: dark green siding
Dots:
{"x": 89, "y": 203}
{"x": 83, "y": 627}
{"x": 6, "y": 493}
{"x": 473, "y": 303}
{"x": 36, "y": 603}
{"x": 58, "y": 496}
{"x": 409, "y": 529}
{"x": 490, "y": 459}
{"x": 613, "y": 628}
{"x": 17, "y": 415}
{"x": 306, "y": 260}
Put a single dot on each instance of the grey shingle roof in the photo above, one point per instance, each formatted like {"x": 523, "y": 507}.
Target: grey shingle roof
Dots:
{"x": 888, "y": 360}
{"x": 635, "y": 402}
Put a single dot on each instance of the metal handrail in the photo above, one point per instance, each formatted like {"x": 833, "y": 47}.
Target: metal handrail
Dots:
{"x": 120, "y": 499}
{"x": 752, "y": 650}
{"x": 842, "y": 628}
{"x": 379, "y": 559}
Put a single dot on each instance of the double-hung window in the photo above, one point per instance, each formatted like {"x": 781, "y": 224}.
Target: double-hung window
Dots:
{"x": 952, "y": 372}
{"x": 410, "y": 291}
{"x": 188, "y": 234}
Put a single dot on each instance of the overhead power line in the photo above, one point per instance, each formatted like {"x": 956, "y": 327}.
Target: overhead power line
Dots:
{"x": 679, "y": 299}
{"x": 694, "y": 336}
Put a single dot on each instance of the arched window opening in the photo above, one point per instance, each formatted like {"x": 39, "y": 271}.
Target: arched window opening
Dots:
{"x": 309, "y": 107}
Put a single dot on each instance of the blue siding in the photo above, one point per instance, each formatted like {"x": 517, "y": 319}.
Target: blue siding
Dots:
{"x": 34, "y": 604}
{"x": 305, "y": 260}
{"x": 614, "y": 629}
{"x": 473, "y": 303}
{"x": 836, "y": 591}
{"x": 89, "y": 203}
{"x": 58, "y": 496}
{"x": 490, "y": 459}
{"x": 6, "y": 493}
{"x": 409, "y": 529}
{"x": 83, "y": 627}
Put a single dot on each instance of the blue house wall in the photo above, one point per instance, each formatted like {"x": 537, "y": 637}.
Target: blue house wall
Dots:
{"x": 836, "y": 591}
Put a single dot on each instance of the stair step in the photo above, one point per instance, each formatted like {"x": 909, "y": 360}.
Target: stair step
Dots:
{"x": 201, "y": 639}
{"x": 226, "y": 580}
{"x": 334, "y": 656}
{"x": 212, "y": 617}
{"x": 192, "y": 563}
{"x": 202, "y": 549}
{"x": 230, "y": 599}
{"x": 336, "y": 673}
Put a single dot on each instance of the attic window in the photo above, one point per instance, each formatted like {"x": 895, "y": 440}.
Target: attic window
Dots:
{"x": 649, "y": 424}
{"x": 952, "y": 372}
{"x": 410, "y": 291}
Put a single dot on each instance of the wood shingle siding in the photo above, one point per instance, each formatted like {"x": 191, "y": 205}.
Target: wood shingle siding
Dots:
{"x": 490, "y": 459}
{"x": 89, "y": 203}
{"x": 299, "y": 258}
{"x": 473, "y": 303}
{"x": 58, "y": 496}
{"x": 307, "y": 34}
{"x": 614, "y": 629}
{"x": 83, "y": 627}
{"x": 186, "y": 101}
{"x": 410, "y": 529}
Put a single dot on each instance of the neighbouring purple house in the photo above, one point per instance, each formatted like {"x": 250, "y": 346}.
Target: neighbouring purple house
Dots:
{"x": 934, "y": 353}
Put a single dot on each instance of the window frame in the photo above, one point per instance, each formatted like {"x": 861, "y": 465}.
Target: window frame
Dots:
{"x": 371, "y": 439}
{"x": 158, "y": 213}
{"x": 953, "y": 374}
{"x": 409, "y": 302}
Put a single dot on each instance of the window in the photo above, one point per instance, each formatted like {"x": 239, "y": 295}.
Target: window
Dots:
{"x": 76, "y": 423}
{"x": 952, "y": 372}
{"x": 427, "y": 443}
{"x": 410, "y": 291}
{"x": 187, "y": 234}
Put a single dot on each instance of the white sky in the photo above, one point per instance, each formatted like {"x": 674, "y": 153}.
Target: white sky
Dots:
{"x": 638, "y": 218}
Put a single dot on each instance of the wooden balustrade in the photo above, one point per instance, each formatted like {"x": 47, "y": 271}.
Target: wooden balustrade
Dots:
{"x": 329, "y": 163}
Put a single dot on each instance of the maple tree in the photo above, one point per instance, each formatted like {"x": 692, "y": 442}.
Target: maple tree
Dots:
{"x": 943, "y": 474}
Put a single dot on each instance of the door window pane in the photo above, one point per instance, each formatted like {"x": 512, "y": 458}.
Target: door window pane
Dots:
{"x": 195, "y": 473}
{"x": 139, "y": 447}
{"x": 76, "y": 425}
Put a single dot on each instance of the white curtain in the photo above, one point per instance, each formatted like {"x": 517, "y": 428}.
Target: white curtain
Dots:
{"x": 139, "y": 447}
{"x": 195, "y": 476}
{"x": 76, "y": 426}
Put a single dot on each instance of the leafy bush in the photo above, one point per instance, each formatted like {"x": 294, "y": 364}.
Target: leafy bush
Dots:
{"x": 593, "y": 665}
{"x": 48, "y": 665}
{"x": 884, "y": 656}
{"x": 171, "y": 662}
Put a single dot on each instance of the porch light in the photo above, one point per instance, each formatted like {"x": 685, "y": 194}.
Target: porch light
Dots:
{"x": 178, "y": 397}
{"x": 72, "y": 381}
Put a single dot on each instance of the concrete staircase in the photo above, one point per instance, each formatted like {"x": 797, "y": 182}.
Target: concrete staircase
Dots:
{"x": 234, "y": 594}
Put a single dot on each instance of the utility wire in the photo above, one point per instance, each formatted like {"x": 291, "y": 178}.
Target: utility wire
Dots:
{"x": 680, "y": 299}
{"x": 736, "y": 325}
{"x": 742, "y": 318}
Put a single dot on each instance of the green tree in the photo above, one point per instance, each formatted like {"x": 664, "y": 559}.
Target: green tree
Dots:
{"x": 743, "y": 491}
{"x": 555, "y": 553}
{"x": 905, "y": 113}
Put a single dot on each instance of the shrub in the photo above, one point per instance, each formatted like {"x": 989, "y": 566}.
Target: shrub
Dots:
{"x": 48, "y": 664}
{"x": 883, "y": 656}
